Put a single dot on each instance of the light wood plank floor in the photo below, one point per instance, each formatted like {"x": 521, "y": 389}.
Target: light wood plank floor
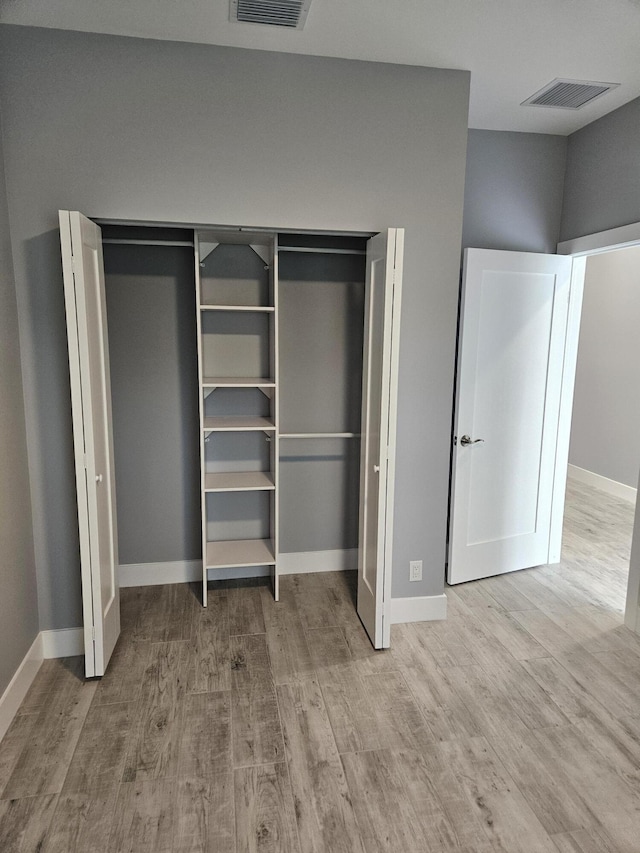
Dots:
{"x": 254, "y": 726}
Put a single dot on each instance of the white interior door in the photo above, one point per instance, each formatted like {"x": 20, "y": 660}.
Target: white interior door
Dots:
{"x": 513, "y": 327}
{"x": 377, "y": 457}
{"x": 93, "y": 444}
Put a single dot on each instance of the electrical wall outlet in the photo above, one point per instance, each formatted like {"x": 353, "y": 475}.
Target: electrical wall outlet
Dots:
{"x": 415, "y": 570}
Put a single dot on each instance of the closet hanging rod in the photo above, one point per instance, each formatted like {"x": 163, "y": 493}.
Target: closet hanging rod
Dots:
{"x": 319, "y": 435}
{"x": 318, "y": 251}
{"x": 123, "y": 241}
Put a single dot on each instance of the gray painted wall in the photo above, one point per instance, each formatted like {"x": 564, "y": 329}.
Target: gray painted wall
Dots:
{"x": 606, "y": 407}
{"x": 152, "y": 342}
{"x": 602, "y": 184}
{"x": 144, "y": 130}
{"x": 321, "y": 315}
{"x": 154, "y": 388}
{"x": 513, "y": 191}
{"x": 18, "y": 600}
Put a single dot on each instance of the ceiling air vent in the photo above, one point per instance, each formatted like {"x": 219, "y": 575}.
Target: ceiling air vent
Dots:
{"x": 273, "y": 13}
{"x": 568, "y": 94}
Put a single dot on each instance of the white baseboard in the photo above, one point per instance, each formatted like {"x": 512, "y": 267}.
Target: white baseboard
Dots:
{"x": 420, "y": 608}
{"x": 181, "y": 571}
{"x": 306, "y": 562}
{"x": 632, "y": 619}
{"x": 187, "y": 571}
{"x": 17, "y": 688}
{"x": 48, "y": 644}
{"x": 612, "y": 487}
{"x": 64, "y": 643}
{"x": 153, "y": 574}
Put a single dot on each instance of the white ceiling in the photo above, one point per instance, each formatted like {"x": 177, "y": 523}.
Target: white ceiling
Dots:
{"x": 511, "y": 47}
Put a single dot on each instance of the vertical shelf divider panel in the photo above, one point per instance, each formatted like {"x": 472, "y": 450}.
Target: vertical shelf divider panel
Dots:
{"x": 231, "y": 338}
{"x": 203, "y": 495}
{"x": 275, "y": 447}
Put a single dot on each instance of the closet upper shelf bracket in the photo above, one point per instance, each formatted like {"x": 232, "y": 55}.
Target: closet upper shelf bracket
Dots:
{"x": 204, "y": 254}
{"x": 262, "y": 252}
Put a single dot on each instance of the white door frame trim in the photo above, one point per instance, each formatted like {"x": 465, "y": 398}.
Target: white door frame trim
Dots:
{"x": 572, "y": 333}
{"x": 601, "y": 241}
{"x": 582, "y": 247}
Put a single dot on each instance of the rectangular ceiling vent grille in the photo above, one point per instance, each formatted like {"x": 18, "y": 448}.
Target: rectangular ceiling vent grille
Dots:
{"x": 568, "y": 94}
{"x": 272, "y": 13}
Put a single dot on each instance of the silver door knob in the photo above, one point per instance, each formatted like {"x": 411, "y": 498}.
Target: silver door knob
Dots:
{"x": 376, "y": 469}
{"x": 467, "y": 440}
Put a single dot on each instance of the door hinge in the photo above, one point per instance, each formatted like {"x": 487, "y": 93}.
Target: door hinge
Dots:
{"x": 93, "y": 634}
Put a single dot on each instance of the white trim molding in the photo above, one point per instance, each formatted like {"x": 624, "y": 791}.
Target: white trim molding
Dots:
{"x": 612, "y": 487}
{"x": 632, "y": 606}
{"x": 593, "y": 244}
{"x": 632, "y": 620}
{"x": 188, "y": 571}
{"x": 570, "y": 360}
{"x": 64, "y": 643}
{"x": 602, "y": 241}
{"x": 153, "y": 574}
{"x": 306, "y": 562}
{"x": 19, "y": 685}
{"x": 48, "y": 644}
{"x": 420, "y": 608}
{"x": 181, "y": 571}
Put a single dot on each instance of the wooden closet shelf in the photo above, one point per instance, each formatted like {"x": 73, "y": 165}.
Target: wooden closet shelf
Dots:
{"x": 238, "y": 481}
{"x": 240, "y": 552}
{"x": 237, "y": 382}
{"x": 209, "y": 307}
{"x": 218, "y": 424}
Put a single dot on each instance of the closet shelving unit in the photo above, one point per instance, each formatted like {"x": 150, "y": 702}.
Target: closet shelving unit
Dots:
{"x": 244, "y": 442}
{"x": 236, "y": 298}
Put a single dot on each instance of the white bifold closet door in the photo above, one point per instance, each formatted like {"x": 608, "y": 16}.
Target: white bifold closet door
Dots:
{"x": 93, "y": 444}
{"x": 91, "y": 407}
{"x": 378, "y": 434}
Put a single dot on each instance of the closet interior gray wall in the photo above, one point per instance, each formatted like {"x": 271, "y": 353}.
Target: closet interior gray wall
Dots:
{"x": 154, "y": 385}
{"x": 513, "y": 191}
{"x": 606, "y": 403}
{"x": 145, "y": 130}
{"x": 18, "y": 597}
{"x": 321, "y": 310}
{"x": 152, "y": 345}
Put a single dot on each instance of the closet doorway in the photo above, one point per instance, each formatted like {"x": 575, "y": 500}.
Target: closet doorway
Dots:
{"x": 604, "y": 459}
{"x": 271, "y": 358}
